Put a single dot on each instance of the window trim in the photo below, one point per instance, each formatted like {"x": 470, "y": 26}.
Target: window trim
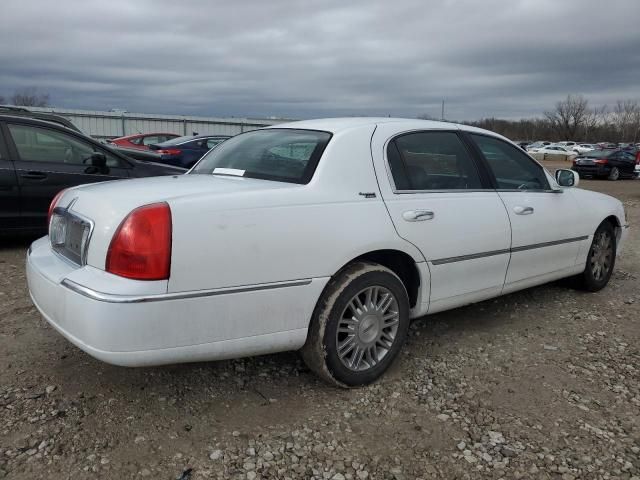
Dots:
{"x": 479, "y": 166}
{"x": 489, "y": 170}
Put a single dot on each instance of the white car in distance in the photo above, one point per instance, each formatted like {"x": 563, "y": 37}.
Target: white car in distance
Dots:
{"x": 326, "y": 236}
{"x": 556, "y": 150}
{"x": 584, "y": 148}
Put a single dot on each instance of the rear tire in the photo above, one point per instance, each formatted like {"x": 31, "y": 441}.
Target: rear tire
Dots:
{"x": 600, "y": 260}
{"x": 358, "y": 325}
{"x": 614, "y": 174}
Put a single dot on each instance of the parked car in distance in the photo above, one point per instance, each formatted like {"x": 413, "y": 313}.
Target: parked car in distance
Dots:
{"x": 535, "y": 145}
{"x": 143, "y": 140}
{"x": 565, "y": 152}
{"x": 584, "y": 148}
{"x": 610, "y": 164}
{"x": 567, "y": 145}
{"x": 40, "y": 158}
{"x": 247, "y": 243}
{"x": 186, "y": 151}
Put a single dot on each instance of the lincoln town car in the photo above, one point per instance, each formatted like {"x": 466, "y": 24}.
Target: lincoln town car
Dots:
{"x": 323, "y": 236}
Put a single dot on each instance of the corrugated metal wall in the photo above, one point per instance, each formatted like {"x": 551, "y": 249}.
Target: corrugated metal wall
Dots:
{"x": 115, "y": 124}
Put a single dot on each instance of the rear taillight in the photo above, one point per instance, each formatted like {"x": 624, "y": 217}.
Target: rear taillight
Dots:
{"x": 141, "y": 247}
{"x": 602, "y": 161}
{"x": 169, "y": 151}
{"x": 53, "y": 204}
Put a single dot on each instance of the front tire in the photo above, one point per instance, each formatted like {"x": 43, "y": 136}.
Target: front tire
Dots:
{"x": 358, "y": 326}
{"x": 600, "y": 260}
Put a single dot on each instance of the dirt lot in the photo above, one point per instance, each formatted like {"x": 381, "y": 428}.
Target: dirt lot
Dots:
{"x": 544, "y": 383}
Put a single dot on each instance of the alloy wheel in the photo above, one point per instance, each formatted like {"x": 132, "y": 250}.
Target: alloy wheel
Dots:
{"x": 367, "y": 328}
{"x": 601, "y": 255}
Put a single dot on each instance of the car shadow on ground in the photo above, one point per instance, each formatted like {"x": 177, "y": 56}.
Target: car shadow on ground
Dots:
{"x": 450, "y": 330}
{"x": 17, "y": 241}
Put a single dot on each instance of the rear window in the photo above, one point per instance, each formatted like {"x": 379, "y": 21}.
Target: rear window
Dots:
{"x": 176, "y": 141}
{"x": 285, "y": 155}
{"x": 597, "y": 154}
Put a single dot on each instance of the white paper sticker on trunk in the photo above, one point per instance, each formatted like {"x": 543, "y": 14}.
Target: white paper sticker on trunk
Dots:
{"x": 229, "y": 171}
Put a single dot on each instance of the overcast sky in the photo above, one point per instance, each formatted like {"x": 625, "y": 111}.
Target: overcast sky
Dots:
{"x": 301, "y": 59}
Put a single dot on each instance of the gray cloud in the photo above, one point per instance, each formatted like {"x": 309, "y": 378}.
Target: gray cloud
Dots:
{"x": 507, "y": 58}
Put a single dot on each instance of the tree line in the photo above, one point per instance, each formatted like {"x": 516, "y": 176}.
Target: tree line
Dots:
{"x": 573, "y": 119}
{"x": 26, "y": 97}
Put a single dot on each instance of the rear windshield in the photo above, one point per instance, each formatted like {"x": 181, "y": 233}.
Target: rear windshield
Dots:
{"x": 176, "y": 141}
{"x": 285, "y": 155}
{"x": 597, "y": 154}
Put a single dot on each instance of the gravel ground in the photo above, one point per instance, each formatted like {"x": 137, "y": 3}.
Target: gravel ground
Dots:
{"x": 543, "y": 383}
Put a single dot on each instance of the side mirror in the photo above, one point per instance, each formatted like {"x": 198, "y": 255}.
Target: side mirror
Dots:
{"x": 99, "y": 160}
{"x": 567, "y": 178}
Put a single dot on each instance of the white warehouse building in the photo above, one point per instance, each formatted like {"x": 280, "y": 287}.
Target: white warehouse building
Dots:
{"x": 118, "y": 124}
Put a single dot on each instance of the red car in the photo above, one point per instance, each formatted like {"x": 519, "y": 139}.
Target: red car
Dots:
{"x": 143, "y": 140}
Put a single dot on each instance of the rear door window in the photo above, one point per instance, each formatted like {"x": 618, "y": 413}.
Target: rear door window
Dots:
{"x": 152, "y": 139}
{"x": 431, "y": 161}
{"x": 36, "y": 144}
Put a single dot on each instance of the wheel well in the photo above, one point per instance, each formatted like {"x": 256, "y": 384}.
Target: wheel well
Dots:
{"x": 615, "y": 223}
{"x": 402, "y": 265}
{"x": 613, "y": 220}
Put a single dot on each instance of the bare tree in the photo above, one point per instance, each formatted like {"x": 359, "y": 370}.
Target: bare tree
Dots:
{"x": 593, "y": 119}
{"x": 569, "y": 116}
{"x": 626, "y": 119}
{"x": 30, "y": 97}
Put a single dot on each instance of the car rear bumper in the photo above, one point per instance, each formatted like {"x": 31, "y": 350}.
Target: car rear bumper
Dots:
{"x": 155, "y": 329}
{"x": 592, "y": 170}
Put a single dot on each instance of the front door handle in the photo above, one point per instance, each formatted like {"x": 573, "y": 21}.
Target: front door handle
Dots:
{"x": 34, "y": 175}
{"x": 523, "y": 210}
{"x": 417, "y": 215}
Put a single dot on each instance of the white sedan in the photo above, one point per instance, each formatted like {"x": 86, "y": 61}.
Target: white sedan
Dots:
{"x": 326, "y": 236}
{"x": 584, "y": 148}
{"x": 555, "y": 150}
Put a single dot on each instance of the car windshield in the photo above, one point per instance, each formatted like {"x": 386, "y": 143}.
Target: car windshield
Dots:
{"x": 285, "y": 155}
{"x": 597, "y": 154}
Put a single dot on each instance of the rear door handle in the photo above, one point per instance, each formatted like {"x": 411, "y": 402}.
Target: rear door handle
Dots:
{"x": 34, "y": 175}
{"x": 523, "y": 210}
{"x": 417, "y": 215}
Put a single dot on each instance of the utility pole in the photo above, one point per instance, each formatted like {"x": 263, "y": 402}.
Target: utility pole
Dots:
{"x": 442, "y": 112}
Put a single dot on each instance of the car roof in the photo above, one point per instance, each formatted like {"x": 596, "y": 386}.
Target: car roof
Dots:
{"x": 38, "y": 121}
{"x": 336, "y": 125}
{"x": 19, "y": 112}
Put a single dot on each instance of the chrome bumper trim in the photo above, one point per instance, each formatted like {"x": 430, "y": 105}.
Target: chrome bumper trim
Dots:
{"x": 114, "y": 298}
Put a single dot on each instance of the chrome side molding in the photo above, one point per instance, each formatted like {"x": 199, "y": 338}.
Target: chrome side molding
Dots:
{"x": 161, "y": 297}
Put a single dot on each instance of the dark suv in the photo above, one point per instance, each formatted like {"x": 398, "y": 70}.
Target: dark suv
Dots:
{"x": 39, "y": 158}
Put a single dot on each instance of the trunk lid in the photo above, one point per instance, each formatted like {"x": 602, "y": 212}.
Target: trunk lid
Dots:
{"x": 105, "y": 205}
